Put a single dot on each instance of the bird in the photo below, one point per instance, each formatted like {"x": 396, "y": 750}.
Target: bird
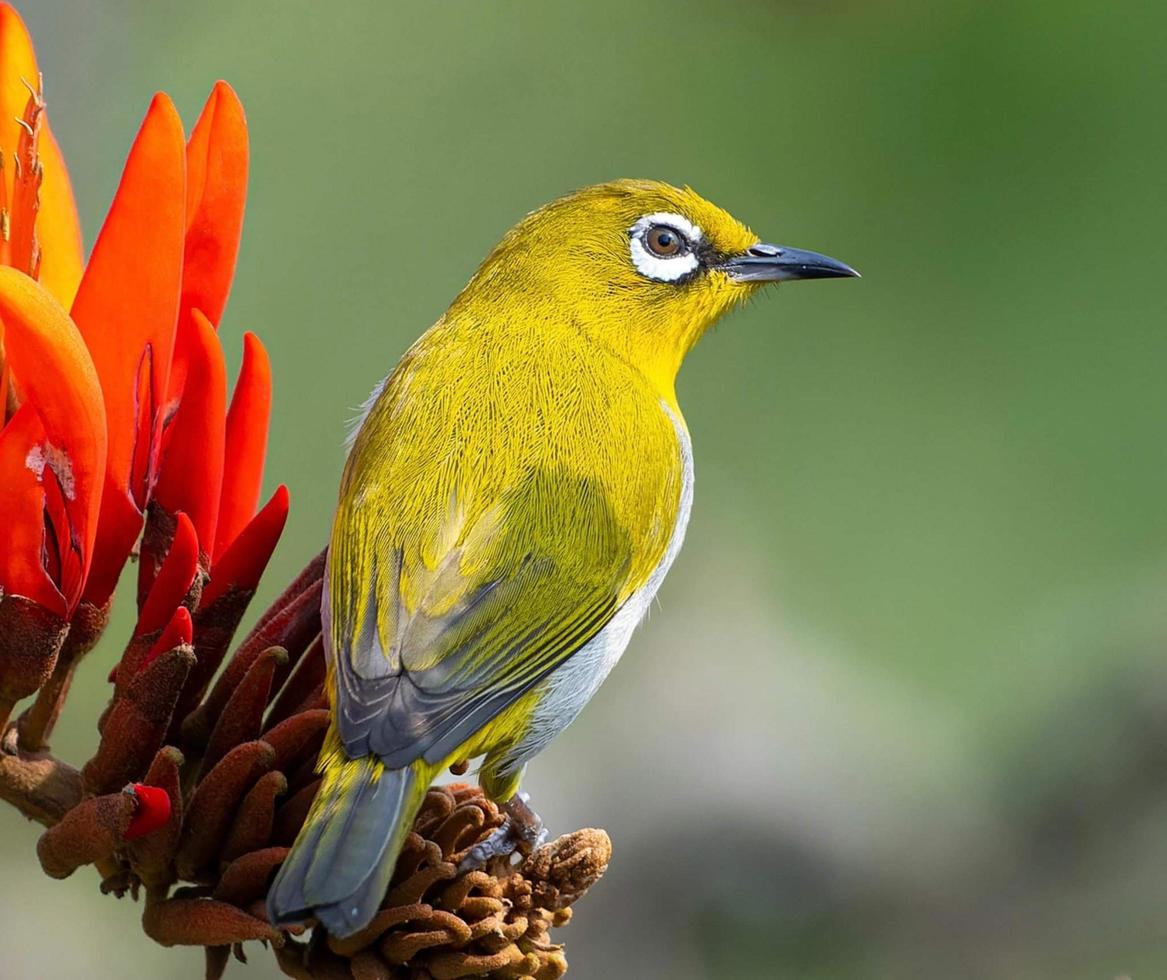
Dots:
{"x": 512, "y": 499}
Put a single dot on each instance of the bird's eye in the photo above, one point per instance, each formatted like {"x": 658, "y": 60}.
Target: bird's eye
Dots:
{"x": 664, "y": 241}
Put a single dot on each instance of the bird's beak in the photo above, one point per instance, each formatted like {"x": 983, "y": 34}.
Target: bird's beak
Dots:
{"x": 777, "y": 263}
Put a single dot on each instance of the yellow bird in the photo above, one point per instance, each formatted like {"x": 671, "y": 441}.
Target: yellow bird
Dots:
{"x": 512, "y": 500}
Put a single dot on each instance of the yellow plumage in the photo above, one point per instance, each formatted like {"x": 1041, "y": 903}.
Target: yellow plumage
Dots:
{"x": 509, "y": 500}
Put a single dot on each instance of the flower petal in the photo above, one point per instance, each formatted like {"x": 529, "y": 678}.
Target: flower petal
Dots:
{"x": 216, "y": 190}
{"x": 127, "y": 308}
{"x": 242, "y": 564}
{"x": 247, "y": 424}
{"x": 216, "y": 159}
{"x": 58, "y": 230}
{"x": 190, "y": 476}
{"x": 174, "y": 580}
{"x": 22, "y": 507}
{"x": 178, "y": 632}
{"x": 53, "y": 373}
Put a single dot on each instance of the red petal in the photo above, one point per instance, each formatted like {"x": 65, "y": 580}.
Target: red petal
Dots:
{"x": 127, "y": 308}
{"x": 246, "y": 446}
{"x": 22, "y": 502}
{"x": 174, "y": 579}
{"x": 190, "y": 476}
{"x": 151, "y": 810}
{"x": 179, "y": 632}
{"x": 54, "y": 374}
{"x": 243, "y": 563}
{"x": 216, "y": 191}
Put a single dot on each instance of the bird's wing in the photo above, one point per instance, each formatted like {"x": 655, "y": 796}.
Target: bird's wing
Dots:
{"x": 436, "y": 630}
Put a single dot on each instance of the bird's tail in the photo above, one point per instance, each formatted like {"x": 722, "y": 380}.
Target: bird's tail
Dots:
{"x": 339, "y": 868}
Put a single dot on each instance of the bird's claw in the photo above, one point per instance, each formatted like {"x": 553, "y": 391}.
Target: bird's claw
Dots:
{"x": 499, "y": 843}
{"x": 522, "y": 830}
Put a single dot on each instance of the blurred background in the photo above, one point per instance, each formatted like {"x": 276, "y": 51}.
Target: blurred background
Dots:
{"x": 902, "y": 711}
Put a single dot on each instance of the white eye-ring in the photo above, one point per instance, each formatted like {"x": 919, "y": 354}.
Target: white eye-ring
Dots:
{"x": 663, "y": 246}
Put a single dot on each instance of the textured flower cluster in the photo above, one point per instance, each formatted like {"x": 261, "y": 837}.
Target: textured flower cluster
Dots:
{"x": 197, "y": 809}
{"x": 437, "y": 924}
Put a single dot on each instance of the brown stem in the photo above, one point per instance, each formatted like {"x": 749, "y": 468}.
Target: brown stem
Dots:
{"x": 41, "y": 787}
{"x": 37, "y": 723}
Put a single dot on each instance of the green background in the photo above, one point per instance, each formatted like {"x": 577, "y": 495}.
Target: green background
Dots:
{"x": 902, "y": 711}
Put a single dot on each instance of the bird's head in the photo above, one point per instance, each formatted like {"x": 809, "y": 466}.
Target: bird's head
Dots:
{"x": 640, "y": 266}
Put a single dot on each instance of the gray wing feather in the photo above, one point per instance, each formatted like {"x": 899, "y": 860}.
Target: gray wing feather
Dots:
{"x": 403, "y": 714}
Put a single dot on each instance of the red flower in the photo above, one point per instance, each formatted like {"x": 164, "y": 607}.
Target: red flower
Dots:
{"x": 114, "y": 416}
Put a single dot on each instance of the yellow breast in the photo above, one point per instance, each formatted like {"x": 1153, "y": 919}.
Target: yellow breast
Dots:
{"x": 517, "y": 438}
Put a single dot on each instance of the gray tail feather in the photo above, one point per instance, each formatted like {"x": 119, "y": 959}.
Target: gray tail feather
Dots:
{"x": 340, "y": 866}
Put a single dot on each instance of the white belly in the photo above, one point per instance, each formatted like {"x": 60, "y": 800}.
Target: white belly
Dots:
{"x": 572, "y": 685}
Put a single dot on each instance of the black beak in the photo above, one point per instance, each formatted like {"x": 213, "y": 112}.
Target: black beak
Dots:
{"x": 777, "y": 263}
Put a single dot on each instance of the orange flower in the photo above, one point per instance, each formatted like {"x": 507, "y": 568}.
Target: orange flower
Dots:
{"x": 53, "y": 441}
{"x": 114, "y": 415}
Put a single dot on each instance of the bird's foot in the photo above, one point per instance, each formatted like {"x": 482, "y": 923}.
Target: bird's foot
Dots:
{"x": 10, "y": 740}
{"x": 522, "y": 831}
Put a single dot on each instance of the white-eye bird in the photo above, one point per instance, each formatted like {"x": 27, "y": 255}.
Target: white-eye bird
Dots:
{"x": 512, "y": 501}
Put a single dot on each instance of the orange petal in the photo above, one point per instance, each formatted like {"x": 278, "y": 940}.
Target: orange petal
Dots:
{"x": 58, "y": 230}
{"x": 246, "y": 447}
{"x": 127, "y": 308}
{"x": 18, "y": 70}
{"x": 53, "y": 373}
{"x": 216, "y": 190}
{"x": 4, "y": 386}
{"x": 22, "y": 502}
{"x": 190, "y": 476}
